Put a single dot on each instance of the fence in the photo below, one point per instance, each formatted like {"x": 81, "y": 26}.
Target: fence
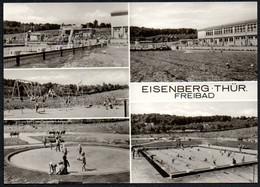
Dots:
{"x": 16, "y": 60}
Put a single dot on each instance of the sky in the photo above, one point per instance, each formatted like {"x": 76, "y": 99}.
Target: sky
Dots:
{"x": 234, "y": 109}
{"x": 74, "y": 13}
{"x": 196, "y": 15}
{"x": 71, "y": 76}
{"x": 156, "y": 15}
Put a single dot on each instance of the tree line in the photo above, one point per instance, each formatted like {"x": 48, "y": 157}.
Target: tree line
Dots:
{"x": 96, "y": 25}
{"x": 161, "y": 35}
{"x": 159, "y": 123}
{"x": 61, "y": 90}
{"x": 14, "y": 27}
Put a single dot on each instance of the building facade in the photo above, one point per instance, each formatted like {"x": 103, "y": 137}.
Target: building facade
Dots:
{"x": 119, "y": 24}
{"x": 242, "y": 33}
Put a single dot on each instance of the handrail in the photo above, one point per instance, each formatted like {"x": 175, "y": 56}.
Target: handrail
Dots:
{"x": 46, "y": 52}
{"x": 16, "y": 59}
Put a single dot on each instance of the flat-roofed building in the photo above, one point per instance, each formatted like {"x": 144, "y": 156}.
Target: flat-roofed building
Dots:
{"x": 119, "y": 24}
{"x": 242, "y": 33}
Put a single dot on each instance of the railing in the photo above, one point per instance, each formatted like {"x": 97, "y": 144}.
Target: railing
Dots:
{"x": 16, "y": 60}
{"x": 126, "y": 106}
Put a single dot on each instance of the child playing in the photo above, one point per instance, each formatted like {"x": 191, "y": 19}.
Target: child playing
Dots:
{"x": 61, "y": 168}
{"x": 83, "y": 159}
{"x": 79, "y": 149}
{"x": 64, "y": 149}
{"x": 52, "y": 168}
{"x": 36, "y": 106}
{"x": 44, "y": 141}
{"x": 66, "y": 163}
{"x": 57, "y": 144}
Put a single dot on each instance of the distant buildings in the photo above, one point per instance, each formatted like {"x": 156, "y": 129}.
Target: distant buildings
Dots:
{"x": 119, "y": 24}
{"x": 74, "y": 31}
{"x": 67, "y": 29}
{"x": 242, "y": 33}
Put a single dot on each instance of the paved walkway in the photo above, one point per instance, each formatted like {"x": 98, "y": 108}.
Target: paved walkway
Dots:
{"x": 26, "y": 137}
{"x": 21, "y": 146}
{"x": 144, "y": 172}
{"x": 231, "y": 148}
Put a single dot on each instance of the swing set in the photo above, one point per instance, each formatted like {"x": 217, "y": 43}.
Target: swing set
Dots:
{"x": 32, "y": 89}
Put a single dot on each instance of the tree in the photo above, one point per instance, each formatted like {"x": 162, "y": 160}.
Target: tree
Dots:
{"x": 90, "y": 25}
{"x": 200, "y": 127}
{"x": 95, "y": 24}
{"x": 160, "y": 35}
{"x": 102, "y": 25}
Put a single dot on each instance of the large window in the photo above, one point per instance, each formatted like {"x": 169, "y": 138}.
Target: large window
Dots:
{"x": 240, "y": 28}
{"x": 117, "y": 29}
{"x": 228, "y": 30}
{"x": 251, "y": 27}
{"x": 218, "y": 31}
{"x": 209, "y": 32}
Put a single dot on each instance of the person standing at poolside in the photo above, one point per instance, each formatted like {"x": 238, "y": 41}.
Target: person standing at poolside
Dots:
{"x": 66, "y": 163}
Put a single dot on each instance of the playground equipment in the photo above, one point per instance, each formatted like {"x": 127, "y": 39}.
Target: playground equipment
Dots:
{"x": 32, "y": 89}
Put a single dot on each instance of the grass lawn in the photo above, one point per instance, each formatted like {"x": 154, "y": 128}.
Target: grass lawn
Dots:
{"x": 117, "y": 127}
{"x": 59, "y": 102}
{"x": 93, "y": 138}
{"x": 250, "y": 132}
{"x": 172, "y": 143}
{"x": 213, "y": 138}
{"x": 168, "y": 66}
{"x": 234, "y": 144}
{"x": 14, "y": 141}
